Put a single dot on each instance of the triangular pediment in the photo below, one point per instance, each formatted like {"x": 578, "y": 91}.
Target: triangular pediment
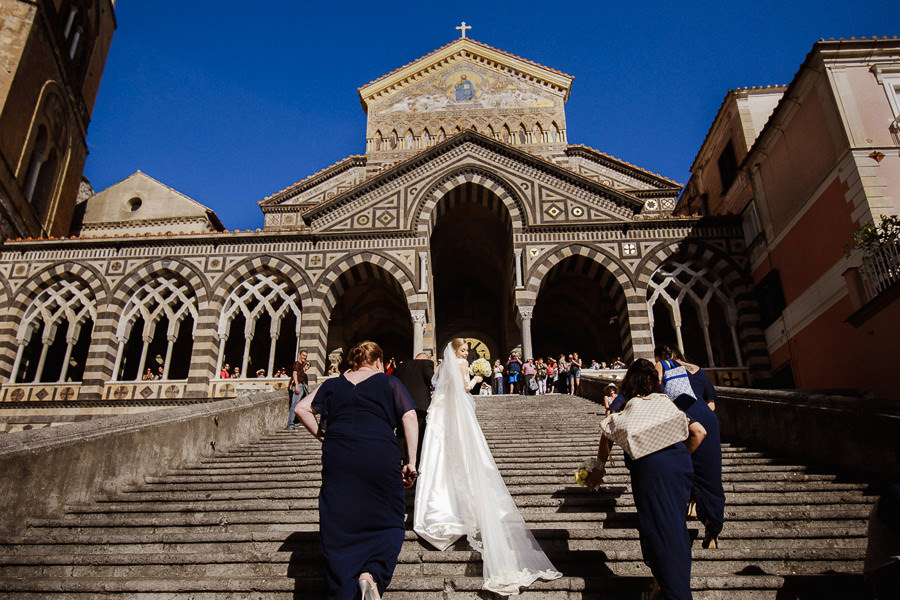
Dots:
{"x": 542, "y": 193}
{"x": 461, "y": 53}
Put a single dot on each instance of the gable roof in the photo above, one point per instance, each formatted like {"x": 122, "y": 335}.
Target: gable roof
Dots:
{"x": 470, "y": 136}
{"x": 355, "y": 160}
{"x": 464, "y": 47}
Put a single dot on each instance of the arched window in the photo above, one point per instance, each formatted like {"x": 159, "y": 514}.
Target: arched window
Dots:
{"x": 260, "y": 325}
{"x": 55, "y": 334}
{"x": 156, "y": 331}
{"x": 507, "y": 134}
{"x": 46, "y": 152}
{"x": 689, "y": 307}
{"x": 539, "y": 134}
{"x": 379, "y": 141}
{"x": 554, "y": 132}
{"x": 410, "y": 140}
{"x": 523, "y": 134}
{"x": 426, "y": 138}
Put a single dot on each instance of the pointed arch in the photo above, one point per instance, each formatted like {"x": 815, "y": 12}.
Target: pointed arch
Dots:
{"x": 522, "y": 135}
{"x": 329, "y": 285}
{"x": 694, "y": 291}
{"x": 613, "y": 277}
{"x": 387, "y": 299}
{"x": 424, "y": 215}
{"x": 54, "y": 332}
{"x": 46, "y": 152}
{"x": 190, "y": 273}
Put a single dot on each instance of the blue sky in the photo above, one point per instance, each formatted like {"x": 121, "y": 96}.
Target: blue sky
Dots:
{"x": 229, "y": 102}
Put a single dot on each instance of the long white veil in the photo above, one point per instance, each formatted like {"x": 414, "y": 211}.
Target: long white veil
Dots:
{"x": 460, "y": 490}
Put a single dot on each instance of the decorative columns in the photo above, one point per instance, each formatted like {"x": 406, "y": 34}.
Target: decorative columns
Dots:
{"x": 518, "y": 261}
{"x": 418, "y": 319}
{"x": 423, "y": 271}
{"x": 525, "y": 313}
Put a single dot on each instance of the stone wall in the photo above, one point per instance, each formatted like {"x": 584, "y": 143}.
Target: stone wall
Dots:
{"x": 851, "y": 434}
{"x": 56, "y": 466}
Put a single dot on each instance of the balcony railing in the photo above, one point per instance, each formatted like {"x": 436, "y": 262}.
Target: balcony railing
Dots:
{"x": 881, "y": 269}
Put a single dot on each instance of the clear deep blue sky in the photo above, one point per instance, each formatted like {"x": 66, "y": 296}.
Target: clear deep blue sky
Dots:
{"x": 229, "y": 102}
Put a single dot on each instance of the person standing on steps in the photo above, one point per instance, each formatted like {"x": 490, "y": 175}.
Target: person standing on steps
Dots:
{"x": 461, "y": 491}
{"x": 362, "y": 503}
{"x": 707, "y": 494}
{"x": 415, "y": 375}
{"x": 299, "y": 384}
{"x": 661, "y": 487}
{"x": 513, "y": 369}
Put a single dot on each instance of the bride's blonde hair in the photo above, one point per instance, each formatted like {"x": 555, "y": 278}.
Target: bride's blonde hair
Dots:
{"x": 457, "y": 343}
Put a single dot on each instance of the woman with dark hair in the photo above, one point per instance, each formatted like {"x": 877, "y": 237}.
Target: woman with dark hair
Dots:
{"x": 362, "y": 503}
{"x": 661, "y": 486}
{"x": 707, "y": 496}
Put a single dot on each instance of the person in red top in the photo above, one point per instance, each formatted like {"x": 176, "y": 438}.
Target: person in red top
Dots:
{"x": 224, "y": 374}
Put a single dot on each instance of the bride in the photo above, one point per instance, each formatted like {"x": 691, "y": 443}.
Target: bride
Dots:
{"x": 460, "y": 491}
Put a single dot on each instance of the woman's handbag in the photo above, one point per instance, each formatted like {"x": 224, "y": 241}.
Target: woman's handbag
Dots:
{"x": 645, "y": 425}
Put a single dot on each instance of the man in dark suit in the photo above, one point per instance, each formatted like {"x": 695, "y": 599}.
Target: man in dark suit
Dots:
{"x": 415, "y": 375}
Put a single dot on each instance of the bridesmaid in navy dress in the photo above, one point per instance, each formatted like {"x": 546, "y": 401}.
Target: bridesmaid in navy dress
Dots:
{"x": 661, "y": 486}
{"x": 362, "y": 502}
{"x": 707, "y": 493}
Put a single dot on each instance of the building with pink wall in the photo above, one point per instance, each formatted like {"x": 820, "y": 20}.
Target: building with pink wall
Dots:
{"x": 825, "y": 161}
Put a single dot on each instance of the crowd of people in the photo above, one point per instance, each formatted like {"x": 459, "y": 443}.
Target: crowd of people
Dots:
{"x": 367, "y": 419}
{"x": 227, "y": 372}
{"x": 537, "y": 376}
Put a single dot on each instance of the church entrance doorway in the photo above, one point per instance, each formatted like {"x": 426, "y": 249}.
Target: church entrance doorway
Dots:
{"x": 579, "y": 308}
{"x": 370, "y": 305}
{"x": 472, "y": 270}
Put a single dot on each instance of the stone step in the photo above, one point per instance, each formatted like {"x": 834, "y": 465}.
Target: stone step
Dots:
{"x": 624, "y": 563}
{"x": 524, "y": 496}
{"x": 244, "y": 524}
{"x": 303, "y": 487}
{"x": 254, "y": 538}
{"x": 734, "y": 587}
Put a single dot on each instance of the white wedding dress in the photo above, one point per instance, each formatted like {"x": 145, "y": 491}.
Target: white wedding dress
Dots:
{"x": 460, "y": 491}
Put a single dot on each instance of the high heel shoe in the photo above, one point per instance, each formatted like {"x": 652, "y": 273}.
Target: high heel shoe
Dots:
{"x": 367, "y": 590}
{"x": 710, "y": 541}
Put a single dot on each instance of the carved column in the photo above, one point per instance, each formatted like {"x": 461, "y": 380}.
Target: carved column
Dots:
{"x": 418, "y": 319}
{"x": 525, "y": 313}
{"x": 423, "y": 271}
{"x": 518, "y": 261}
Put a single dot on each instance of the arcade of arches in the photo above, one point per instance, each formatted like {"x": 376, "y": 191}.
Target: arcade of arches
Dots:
{"x": 477, "y": 284}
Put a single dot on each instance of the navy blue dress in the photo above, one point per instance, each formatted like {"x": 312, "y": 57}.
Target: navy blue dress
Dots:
{"x": 362, "y": 501}
{"x": 661, "y": 486}
{"x": 707, "y": 458}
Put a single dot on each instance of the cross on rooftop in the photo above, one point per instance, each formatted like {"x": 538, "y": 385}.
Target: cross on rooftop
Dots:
{"x": 462, "y": 28}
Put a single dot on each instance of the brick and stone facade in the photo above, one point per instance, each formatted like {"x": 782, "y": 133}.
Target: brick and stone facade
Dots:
{"x": 511, "y": 241}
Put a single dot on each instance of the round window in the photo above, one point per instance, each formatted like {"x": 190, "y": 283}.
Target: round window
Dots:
{"x": 134, "y": 204}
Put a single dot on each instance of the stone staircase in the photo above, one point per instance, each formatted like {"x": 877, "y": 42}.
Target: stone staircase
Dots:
{"x": 244, "y": 525}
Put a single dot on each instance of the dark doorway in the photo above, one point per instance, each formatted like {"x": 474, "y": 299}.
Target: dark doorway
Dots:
{"x": 472, "y": 269}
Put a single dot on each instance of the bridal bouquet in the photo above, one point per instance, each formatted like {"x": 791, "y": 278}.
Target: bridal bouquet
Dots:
{"x": 582, "y": 472}
{"x": 480, "y": 366}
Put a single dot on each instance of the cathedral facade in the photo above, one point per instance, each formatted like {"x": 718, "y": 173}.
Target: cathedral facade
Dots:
{"x": 469, "y": 215}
